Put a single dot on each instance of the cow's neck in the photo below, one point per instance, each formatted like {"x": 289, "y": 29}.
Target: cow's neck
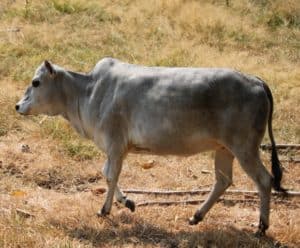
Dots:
{"x": 75, "y": 87}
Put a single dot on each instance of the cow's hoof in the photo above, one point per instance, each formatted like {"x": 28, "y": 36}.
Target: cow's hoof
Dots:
{"x": 130, "y": 204}
{"x": 102, "y": 213}
{"x": 261, "y": 232}
{"x": 195, "y": 219}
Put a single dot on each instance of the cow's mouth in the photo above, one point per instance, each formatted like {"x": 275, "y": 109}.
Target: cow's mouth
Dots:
{"x": 19, "y": 110}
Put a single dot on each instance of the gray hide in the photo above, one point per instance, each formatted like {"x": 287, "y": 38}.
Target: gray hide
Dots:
{"x": 180, "y": 111}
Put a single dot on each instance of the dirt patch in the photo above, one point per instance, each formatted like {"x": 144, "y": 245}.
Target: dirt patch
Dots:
{"x": 56, "y": 180}
{"x": 49, "y": 179}
{"x": 10, "y": 169}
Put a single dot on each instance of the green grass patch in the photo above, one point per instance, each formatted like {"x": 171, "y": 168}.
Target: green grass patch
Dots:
{"x": 71, "y": 144}
{"x": 9, "y": 120}
{"x": 68, "y": 7}
{"x": 177, "y": 58}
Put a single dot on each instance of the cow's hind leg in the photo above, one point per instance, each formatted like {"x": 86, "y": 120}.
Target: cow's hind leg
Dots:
{"x": 253, "y": 166}
{"x": 223, "y": 176}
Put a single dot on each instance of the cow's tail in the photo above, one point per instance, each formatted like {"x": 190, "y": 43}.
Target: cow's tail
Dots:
{"x": 276, "y": 166}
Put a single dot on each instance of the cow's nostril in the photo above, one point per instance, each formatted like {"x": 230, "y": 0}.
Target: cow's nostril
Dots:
{"x": 17, "y": 107}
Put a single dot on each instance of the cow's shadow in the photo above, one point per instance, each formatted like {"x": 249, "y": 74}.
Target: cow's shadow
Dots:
{"x": 130, "y": 231}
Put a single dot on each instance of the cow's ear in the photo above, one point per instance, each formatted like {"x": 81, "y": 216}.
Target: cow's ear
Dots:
{"x": 49, "y": 67}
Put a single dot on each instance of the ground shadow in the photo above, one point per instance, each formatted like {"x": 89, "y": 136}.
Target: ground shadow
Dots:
{"x": 125, "y": 230}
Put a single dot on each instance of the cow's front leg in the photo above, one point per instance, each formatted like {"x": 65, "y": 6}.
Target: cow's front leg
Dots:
{"x": 124, "y": 200}
{"x": 111, "y": 171}
{"x": 121, "y": 198}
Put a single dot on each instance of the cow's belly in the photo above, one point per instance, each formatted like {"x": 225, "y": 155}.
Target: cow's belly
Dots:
{"x": 179, "y": 131}
{"x": 169, "y": 143}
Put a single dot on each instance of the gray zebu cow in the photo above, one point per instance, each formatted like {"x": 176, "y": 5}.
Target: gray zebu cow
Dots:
{"x": 181, "y": 111}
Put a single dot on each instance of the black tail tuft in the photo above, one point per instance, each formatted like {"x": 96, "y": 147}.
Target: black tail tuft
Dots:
{"x": 277, "y": 172}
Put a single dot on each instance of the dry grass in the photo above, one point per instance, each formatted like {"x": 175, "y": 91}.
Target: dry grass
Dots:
{"x": 55, "y": 178}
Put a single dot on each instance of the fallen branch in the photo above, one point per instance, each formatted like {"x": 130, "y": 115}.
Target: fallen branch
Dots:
{"x": 202, "y": 191}
{"x": 280, "y": 146}
{"x": 168, "y": 192}
{"x": 223, "y": 200}
{"x": 168, "y": 203}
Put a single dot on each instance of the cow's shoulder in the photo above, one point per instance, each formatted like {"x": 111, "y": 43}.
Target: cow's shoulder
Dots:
{"x": 103, "y": 66}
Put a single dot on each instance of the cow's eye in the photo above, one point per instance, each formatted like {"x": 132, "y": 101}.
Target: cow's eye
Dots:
{"x": 35, "y": 83}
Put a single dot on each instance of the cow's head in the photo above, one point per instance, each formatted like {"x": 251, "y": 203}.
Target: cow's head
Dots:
{"x": 42, "y": 96}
